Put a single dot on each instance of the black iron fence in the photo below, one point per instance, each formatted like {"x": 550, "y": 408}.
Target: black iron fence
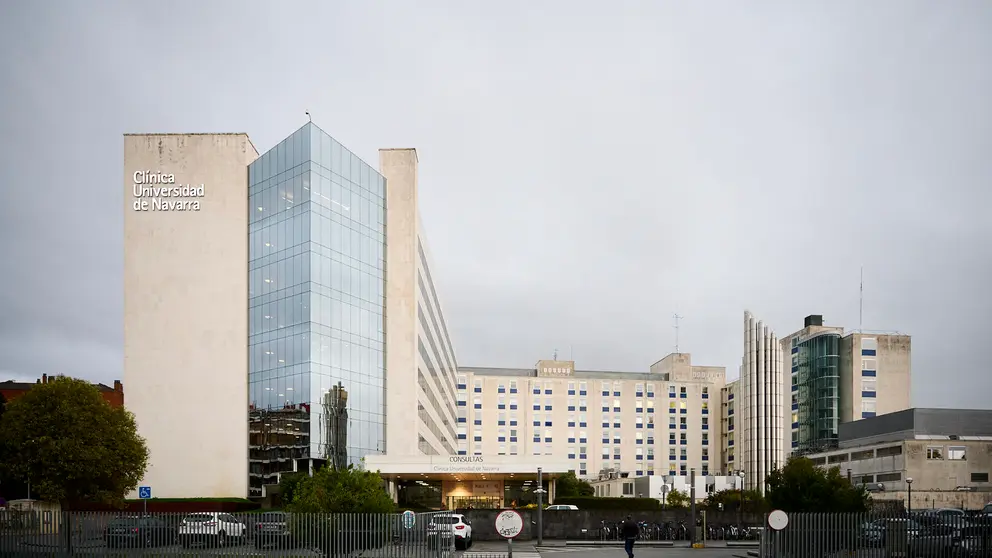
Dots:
{"x": 422, "y": 535}
{"x": 918, "y": 535}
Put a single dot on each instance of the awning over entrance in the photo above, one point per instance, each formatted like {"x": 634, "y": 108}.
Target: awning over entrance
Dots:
{"x": 465, "y": 467}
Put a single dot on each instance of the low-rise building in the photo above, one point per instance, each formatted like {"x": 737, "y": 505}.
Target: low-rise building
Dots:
{"x": 658, "y": 487}
{"x": 943, "y": 457}
{"x": 12, "y": 390}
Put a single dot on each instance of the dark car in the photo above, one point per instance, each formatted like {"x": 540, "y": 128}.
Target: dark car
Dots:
{"x": 272, "y": 529}
{"x": 138, "y": 531}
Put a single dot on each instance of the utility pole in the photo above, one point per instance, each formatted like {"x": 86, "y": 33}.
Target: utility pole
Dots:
{"x": 692, "y": 506}
{"x": 540, "y": 508}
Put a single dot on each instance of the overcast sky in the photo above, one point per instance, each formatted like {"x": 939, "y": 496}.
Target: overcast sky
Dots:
{"x": 588, "y": 169}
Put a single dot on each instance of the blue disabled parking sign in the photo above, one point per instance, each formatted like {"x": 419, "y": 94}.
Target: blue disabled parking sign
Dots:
{"x": 144, "y": 492}
{"x": 409, "y": 519}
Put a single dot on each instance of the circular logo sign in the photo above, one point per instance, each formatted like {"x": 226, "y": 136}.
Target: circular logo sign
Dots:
{"x": 778, "y": 520}
{"x": 509, "y": 524}
{"x": 409, "y": 519}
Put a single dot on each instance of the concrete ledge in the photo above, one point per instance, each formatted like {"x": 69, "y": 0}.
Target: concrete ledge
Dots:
{"x": 619, "y": 543}
{"x": 743, "y": 544}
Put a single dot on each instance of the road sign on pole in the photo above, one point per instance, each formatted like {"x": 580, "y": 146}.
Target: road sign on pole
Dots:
{"x": 145, "y": 493}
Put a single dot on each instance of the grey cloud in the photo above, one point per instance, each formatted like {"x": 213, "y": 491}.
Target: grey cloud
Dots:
{"x": 587, "y": 169}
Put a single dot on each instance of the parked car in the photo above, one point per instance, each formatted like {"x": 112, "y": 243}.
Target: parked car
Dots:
{"x": 141, "y": 531}
{"x": 272, "y": 529}
{"x": 211, "y": 528}
{"x": 562, "y": 507}
{"x": 442, "y": 528}
{"x": 873, "y": 534}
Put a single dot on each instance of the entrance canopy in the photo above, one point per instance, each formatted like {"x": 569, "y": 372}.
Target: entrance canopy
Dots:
{"x": 465, "y": 467}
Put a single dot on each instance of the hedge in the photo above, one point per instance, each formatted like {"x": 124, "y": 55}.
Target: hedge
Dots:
{"x": 626, "y": 504}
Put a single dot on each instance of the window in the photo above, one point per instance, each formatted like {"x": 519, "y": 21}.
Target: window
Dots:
{"x": 639, "y": 390}
{"x": 869, "y": 343}
{"x": 478, "y": 386}
{"x": 650, "y": 390}
{"x": 979, "y": 477}
{"x": 513, "y": 386}
{"x": 869, "y": 364}
{"x": 957, "y": 453}
{"x": 513, "y": 449}
{"x": 935, "y": 452}
{"x": 868, "y": 406}
{"x": 869, "y": 385}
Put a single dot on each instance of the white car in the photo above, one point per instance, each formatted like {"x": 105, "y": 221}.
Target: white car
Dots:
{"x": 448, "y": 525}
{"x": 211, "y": 528}
{"x": 562, "y": 507}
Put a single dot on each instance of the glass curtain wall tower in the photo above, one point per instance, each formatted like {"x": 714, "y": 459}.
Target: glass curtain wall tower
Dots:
{"x": 816, "y": 378}
{"x": 316, "y": 267}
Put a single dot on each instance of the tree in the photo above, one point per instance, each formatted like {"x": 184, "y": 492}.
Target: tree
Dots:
{"x": 801, "y": 486}
{"x": 677, "y": 499}
{"x": 571, "y": 486}
{"x": 71, "y": 445}
{"x": 349, "y": 490}
{"x": 731, "y": 501}
{"x": 3, "y": 405}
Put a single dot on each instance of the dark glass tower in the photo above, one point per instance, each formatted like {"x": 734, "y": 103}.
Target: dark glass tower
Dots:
{"x": 316, "y": 303}
{"x": 817, "y": 372}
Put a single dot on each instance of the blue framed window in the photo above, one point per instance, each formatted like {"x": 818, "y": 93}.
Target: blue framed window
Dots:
{"x": 462, "y": 436}
{"x": 462, "y": 452}
{"x": 867, "y": 415}
{"x": 868, "y": 373}
{"x": 868, "y": 352}
{"x": 462, "y": 419}
{"x": 477, "y": 422}
{"x": 869, "y": 394}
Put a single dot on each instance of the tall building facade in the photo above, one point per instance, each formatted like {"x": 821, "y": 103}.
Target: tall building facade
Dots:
{"x": 729, "y": 398}
{"x": 840, "y": 377}
{"x": 662, "y": 422}
{"x": 760, "y": 423}
{"x": 256, "y": 299}
{"x": 421, "y": 364}
{"x": 316, "y": 303}
{"x": 185, "y": 309}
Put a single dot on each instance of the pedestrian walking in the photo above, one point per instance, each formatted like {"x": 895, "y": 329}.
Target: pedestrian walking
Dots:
{"x": 630, "y": 531}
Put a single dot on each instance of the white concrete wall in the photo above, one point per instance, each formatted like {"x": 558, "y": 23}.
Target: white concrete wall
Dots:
{"x": 185, "y": 315}
{"x": 420, "y": 399}
{"x": 760, "y": 426}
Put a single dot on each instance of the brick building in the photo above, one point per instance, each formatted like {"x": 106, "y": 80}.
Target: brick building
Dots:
{"x": 12, "y": 390}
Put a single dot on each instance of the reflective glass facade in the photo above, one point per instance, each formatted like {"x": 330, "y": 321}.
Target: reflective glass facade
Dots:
{"x": 817, "y": 377}
{"x": 316, "y": 300}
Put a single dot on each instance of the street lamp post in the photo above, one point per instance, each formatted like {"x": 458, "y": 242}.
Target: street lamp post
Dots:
{"x": 664, "y": 496}
{"x": 740, "y": 504}
{"x": 909, "y": 498}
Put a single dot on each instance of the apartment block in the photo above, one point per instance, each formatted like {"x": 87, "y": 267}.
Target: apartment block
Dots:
{"x": 837, "y": 377}
{"x": 661, "y": 422}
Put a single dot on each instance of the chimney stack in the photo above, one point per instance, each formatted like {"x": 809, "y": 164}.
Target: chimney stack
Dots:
{"x": 118, "y": 387}
{"x": 44, "y": 378}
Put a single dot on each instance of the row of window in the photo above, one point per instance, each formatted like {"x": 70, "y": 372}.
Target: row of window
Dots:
{"x": 537, "y": 387}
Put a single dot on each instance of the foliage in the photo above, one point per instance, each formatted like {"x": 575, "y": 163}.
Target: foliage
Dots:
{"x": 754, "y": 501}
{"x": 350, "y": 490}
{"x": 287, "y": 486}
{"x": 3, "y": 405}
{"x": 627, "y": 504}
{"x": 801, "y": 486}
{"x": 677, "y": 499}
{"x": 569, "y": 485}
{"x": 71, "y": 445}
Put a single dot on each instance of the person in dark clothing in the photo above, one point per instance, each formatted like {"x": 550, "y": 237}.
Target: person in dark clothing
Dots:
{"x": 630, "y": 532}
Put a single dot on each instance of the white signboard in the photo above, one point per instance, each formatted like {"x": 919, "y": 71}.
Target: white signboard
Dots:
{"x": 778, "y": 520}
{"x": 509, "y": 524}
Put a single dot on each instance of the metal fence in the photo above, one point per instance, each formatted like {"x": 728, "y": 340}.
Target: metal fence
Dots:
{"x": 423, "y": 535}
{"x": 922, "y": 535}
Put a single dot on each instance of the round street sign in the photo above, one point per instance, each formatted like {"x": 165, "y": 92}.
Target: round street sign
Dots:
{"x": 509, "y": 524}
{"x": 409, "y": 519}
{"x": 778, "y": 520}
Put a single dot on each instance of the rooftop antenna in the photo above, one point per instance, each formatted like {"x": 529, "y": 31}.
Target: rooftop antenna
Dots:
{"x": 677, "y": 318}
{"x": 310, "y": 117}
{"x": 861, "y": 302}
